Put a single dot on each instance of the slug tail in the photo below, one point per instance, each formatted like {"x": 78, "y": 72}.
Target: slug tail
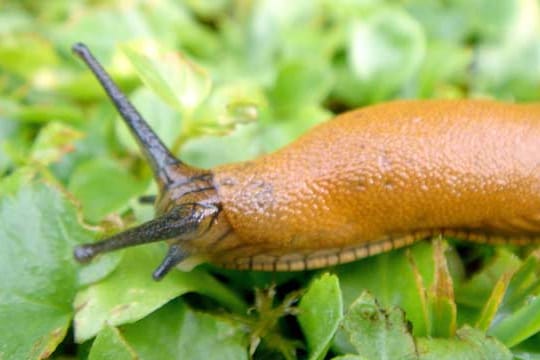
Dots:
{"x": 160, "y": 158}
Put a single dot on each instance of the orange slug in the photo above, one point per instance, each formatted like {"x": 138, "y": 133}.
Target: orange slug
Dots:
{"x": 368, "y": 181}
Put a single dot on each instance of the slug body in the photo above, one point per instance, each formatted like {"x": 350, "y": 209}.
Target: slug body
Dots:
{"x": 382, "y": 177}
{"x": 365, "y": 182}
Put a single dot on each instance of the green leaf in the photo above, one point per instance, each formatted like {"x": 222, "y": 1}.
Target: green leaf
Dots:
{"x": 12, "y": 183}
{"x": 278, "y": 132}
{"x": 179, "y": 82}
{"x": 98, "y": 268}
{"x": 469, "y": 344}
{"x": 176, "y": 332}
{"x": 237, "y": 102}
{"x": 476, "y": 291}
{"x": 39, "y": 276}
{"x": 129, "y": 293}
{"x": 9, "y": 129}
{"x": 45, "y": 113}
{"x": 518, "y": 317}
{"x": 385, "y": 50}
{"x": 393, "y": 279}
{"x": 321, "y": 310}
{"x": 489, "y": 311}
{"x": 110, "y": 344}
{"x": 299, "y": 84}
{"x": 529, "y": 349}
{"x": 350, "y": 357}
{"x": 208, "y": 151}
{"x": 489, "y": 20}
{"x": 440, "y": 298}
{"x": 378, "y": 333}
{"x": 441, "y": 22}
{"x": 507, "y": 67}
{"x": 102, "y": 28}
{"x": 519, "y": 326}
{"x": 524, "y": 283}
{"x": 12, "y": 20}
{"x": 444, "y": 68}
{"x": 94, "y": 177}
{"x": 383, "y": 333}
{"x": 27, "y": 55}
{"x": 54, "y": 140}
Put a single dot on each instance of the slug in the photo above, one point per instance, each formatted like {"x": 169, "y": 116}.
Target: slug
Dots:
{"x": 368, "y": 181}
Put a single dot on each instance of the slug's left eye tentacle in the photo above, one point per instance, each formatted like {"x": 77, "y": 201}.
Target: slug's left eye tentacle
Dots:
{"x": 157, "y": 154}
{"x": 180, "y": 222}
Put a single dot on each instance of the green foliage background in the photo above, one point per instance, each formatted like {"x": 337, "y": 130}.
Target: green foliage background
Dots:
{"x": 224, "y": 81}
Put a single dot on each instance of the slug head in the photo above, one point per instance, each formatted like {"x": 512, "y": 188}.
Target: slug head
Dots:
{"x": 188, "y": 208}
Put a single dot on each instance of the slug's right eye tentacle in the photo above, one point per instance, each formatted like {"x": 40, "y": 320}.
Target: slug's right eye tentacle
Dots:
{"x": 174, "y": 256}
